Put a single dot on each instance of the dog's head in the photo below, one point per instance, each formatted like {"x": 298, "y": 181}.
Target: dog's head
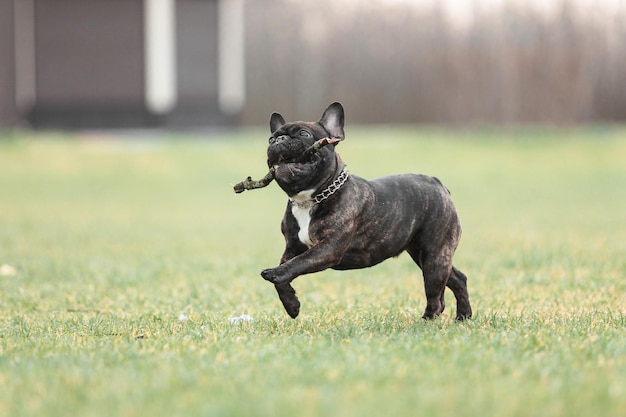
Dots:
{"x": 289, "y": 141}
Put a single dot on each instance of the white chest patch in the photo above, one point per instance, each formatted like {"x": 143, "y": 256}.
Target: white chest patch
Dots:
{"x": 303, "y": 216}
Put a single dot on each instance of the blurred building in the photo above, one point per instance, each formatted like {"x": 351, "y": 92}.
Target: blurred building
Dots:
{"x": 171, "y": 63}
{"x": 120, "y": 63}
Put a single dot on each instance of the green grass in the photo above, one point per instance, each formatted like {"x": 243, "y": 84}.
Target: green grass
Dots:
{"x": 113, "y": 239}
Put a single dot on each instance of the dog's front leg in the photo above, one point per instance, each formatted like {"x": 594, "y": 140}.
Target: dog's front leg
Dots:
{"x": 319, "y": 257}
{"x": 288, "y": 297}
{"x": 286, "y": 293}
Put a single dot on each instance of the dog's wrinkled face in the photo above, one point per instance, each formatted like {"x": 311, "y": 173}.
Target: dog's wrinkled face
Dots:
{"x": 290, "y": 140}
{"x": 286, "y": 145}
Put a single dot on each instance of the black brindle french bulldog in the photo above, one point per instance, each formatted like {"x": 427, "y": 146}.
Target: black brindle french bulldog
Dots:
{"x": 341, "y": 221}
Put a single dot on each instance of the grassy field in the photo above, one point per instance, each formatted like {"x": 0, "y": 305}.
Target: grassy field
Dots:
{"x": 125, "y": 257}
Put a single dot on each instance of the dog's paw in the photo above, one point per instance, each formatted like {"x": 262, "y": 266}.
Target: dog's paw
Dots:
{"x": 292, "y": 308}
{"x": 268, "y": 275}
{"x": 272, "y": 275}
{"x": 462, "y": 316}
{"x": 289, "y": 299}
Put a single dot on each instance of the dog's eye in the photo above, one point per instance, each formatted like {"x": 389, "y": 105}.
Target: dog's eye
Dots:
{"x": 272, "y": 139}
{"x": 304, "y": 133}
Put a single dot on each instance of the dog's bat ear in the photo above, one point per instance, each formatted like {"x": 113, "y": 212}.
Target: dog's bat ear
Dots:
{"x": 276, "y": 121}
{"x": 332, "y": 120}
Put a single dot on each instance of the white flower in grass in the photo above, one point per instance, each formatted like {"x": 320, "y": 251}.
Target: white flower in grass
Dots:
{"x": 244, "y": 317}
{"x": 7, "y": 270}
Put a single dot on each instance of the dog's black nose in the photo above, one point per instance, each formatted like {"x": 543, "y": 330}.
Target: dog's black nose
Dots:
{"x": 281, "y": 138}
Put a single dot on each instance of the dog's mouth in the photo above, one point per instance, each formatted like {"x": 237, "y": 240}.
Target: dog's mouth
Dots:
{"x": 289, "y": 158}
{"x": 285, "y": 160}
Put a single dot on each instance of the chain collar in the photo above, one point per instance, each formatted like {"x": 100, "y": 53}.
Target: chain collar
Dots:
{"x": 324, "y": 194}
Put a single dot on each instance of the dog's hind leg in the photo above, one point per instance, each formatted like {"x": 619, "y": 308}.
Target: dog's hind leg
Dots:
{"x": 436, "y": 270}
{"x": 436, "y": 274}
{"x": 458, "y": 284}
{"x": 456, "y": 281}
{"x": 288, "y": 297}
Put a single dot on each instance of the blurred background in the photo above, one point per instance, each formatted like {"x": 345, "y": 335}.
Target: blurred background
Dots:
{"x": 124, "y": 125}
{"x": 195, "y": 63}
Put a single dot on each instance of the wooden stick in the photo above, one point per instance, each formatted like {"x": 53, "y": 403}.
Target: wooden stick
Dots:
{"x": 250, "y": 184}
{"x": 311, "y": 150}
